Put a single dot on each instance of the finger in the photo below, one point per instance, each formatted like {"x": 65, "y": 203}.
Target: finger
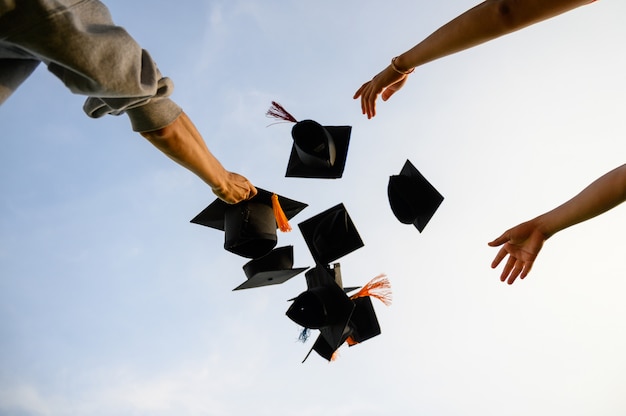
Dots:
{"x": 372, "y": 111}
{"x": 392, "y": 89}
{"x": 500, "y": 240}
{"x": 501, "y": 254}
{"x": 229, "y": 199}
{"x": 362, "y": 92}
{"x": 363, "y": 104}
{"x": 358, "y": 92}
{"x": 371, "y": 107}
{"x": 519, "y": 266}
{"x": 507, "y": 268}
{"x": 387, "y": 94}
{"x": 252, "y": 191}
{"x": 527, "y": 268}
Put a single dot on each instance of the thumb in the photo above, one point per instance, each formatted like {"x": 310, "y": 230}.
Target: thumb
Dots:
{"x": 500, "y": 240}
{"x": 387, "y": 93}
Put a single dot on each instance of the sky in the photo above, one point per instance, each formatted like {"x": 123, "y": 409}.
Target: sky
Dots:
{"x": 113, "y": 303}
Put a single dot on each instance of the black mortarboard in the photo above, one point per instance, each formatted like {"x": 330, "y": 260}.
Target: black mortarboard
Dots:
{"x": 362, "y": 326}
{"x": 249, "y": 226}
{"x": 274, "y": 268}
{"x": 363, "y": 322}
{"x": 324, "y": 306}
{"x": 330, "y": 235}
{"x": 318, "y": 151}
{"x": 412, "y": 198}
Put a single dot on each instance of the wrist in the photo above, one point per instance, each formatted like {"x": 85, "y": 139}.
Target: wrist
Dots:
{"x": 400, "y": 67}
{"x": 218, "y": 180}
{"x": 543, "y": 225}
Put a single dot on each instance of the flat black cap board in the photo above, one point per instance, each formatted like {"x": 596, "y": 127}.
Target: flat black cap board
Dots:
{"x": 249, "y": 226}
{"x": 330, "y": 235}
{"x": 317, "y": 151}
{"x": 324, "y": 349}
{"x": 274, "y": 268}
{"x": 363, "y": 322}
{"x": 412, "y": 198}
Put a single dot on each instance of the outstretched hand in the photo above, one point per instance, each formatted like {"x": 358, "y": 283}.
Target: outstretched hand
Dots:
{"x": 387, "y": 83}
{"x": 522, "y": 244}
{"x": 235, "y": 188}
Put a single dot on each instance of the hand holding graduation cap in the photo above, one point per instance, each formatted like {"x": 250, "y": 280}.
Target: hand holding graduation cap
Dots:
{"x": 235, "y": 188}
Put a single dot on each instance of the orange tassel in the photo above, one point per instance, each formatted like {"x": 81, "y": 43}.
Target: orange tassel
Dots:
{"x": 279, "y": 214}
{"x": 350, "y": 341}
{"x": 379, "y": 287}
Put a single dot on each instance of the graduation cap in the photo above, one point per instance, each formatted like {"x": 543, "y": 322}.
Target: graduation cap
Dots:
{"x": 250, "y": 226}
{"x": 362, "y": 324}
{"x": 324, "y": 306}
{"x": 318, "y": 151}
{"x": 330, "y": 235}
{"x": 412, "y": 198}
{"x": 274, "y": 268}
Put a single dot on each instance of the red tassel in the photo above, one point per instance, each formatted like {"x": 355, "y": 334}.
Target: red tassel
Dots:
{"x": 278, "y": 111}
{"x": 379, "y": 287}
{"x": 279, "y": 214}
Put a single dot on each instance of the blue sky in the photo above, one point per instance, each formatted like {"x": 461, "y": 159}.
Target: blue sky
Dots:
{"x": 111, "y": 302}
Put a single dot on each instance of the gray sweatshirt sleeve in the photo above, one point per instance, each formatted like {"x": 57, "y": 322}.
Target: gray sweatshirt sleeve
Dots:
{"x": 12, "y": 73}
{"x": 81, "y": 45}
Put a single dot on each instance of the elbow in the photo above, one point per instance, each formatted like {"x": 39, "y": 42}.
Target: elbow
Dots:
{"x": 158, "y": 134}
{"x": 516, "y": 14}
{"x": 505, "y": 12}
{"x": 508, "y": 14}
{"x": 163, "y": 133}
{"x": 164, "y": 139}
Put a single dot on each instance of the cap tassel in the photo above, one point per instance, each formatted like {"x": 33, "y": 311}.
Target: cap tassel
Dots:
{"x": 279, "y": 214}
{"x": 279, "y": 112}
{"x": 350, "y": 341}
{"x": 304, "y": 335}
{"x": 379, "y": 288}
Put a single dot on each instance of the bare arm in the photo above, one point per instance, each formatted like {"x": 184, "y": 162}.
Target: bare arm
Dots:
{"x": 603, "y": 194}
{"x": 486, "y": 21}
{"x": 181, "y": 141}
{"x": 523, "y": 242}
